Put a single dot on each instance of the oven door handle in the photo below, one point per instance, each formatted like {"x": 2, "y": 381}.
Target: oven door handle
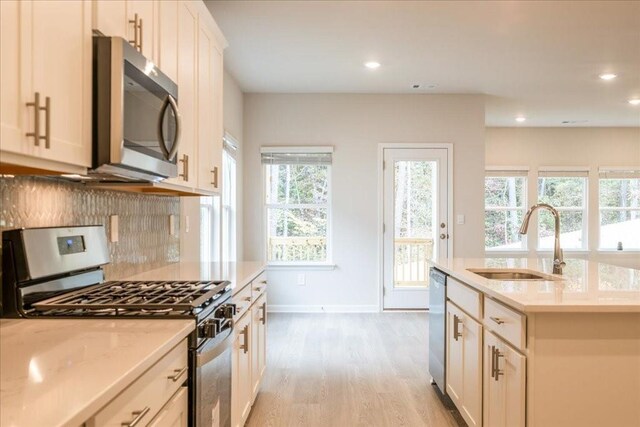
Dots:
{"x": 218, "y": 349}
{"x": 169, "y": 102}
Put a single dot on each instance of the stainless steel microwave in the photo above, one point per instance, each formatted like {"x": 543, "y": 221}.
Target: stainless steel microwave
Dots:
{"x": 136, "y": 121}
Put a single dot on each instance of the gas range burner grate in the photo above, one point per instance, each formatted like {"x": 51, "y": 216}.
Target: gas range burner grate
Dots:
{"x": 136, "y": 298}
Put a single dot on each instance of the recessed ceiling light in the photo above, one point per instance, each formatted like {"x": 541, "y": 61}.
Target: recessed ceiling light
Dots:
{"x": 635, "y": 101}
{"x": 520, "y": 119}
{"x": 608, "y": 76}
{"x": 372, "y": 65}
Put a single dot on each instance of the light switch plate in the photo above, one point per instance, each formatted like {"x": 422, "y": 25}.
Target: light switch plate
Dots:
{"x": 460, "y": 219}
{"x": 113, "y": 228}
{"x": 302, "y": 280}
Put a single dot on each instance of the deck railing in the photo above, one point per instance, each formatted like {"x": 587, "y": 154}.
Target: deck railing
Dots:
{"x": 410, "y": 261}
{"x": 297, "y": 249}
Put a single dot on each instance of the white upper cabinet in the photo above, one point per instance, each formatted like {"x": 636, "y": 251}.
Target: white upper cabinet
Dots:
{"x": 46, "y": 81}
{"x": 209, "y": 108}
{"x": 133, "y": 20}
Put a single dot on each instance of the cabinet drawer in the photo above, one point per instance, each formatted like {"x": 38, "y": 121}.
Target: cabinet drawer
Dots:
{"x": 148, "y": 394}
{"x": 242, "y": 300}
{"x": 506, "y": 322}
{"x": 465, "y": 297}
{"x": 259, "y": 286}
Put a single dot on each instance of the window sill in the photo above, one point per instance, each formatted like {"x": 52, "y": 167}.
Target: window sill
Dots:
{"x": 301, "y": 266}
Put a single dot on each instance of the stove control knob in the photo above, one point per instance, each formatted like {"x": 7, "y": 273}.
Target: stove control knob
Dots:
{"x": 208, "y": 329}
{"x": 228, "y": 310}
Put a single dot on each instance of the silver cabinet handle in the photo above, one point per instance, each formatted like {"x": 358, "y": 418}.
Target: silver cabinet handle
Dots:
{"x": 264, "y": 282}
{"x": 177, "y": 373}
{"x": 139, "y": 415}
{"x": 134, "y": 42}
{"x": 140, "y": 36}
{"x": 214, "y": 171}
{"x": 248, "y": 299}
{"x": 456, "y": 322}
{"x": 498, "y": 320}
{"x": 245, "y": 341}
{"x": 169, "y": 102}
{"x": 495, "y": 363}
{"x": 185, "y": 167}
{"x": 47, "y": 123}
{"x": 36, "y": 119}
{"x": 264, "y": 313}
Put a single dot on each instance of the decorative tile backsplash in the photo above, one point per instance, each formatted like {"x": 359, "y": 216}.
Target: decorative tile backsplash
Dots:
{"x": 144, "y": 239}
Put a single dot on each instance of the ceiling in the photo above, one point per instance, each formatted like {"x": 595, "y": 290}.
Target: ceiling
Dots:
{"x": 539, "y": 59}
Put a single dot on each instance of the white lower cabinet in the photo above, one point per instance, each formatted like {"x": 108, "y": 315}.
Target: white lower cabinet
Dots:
{"x": 249, "y": 348}
{"x": 504, "y": 384}
{"x": 175, "y": 413}
{"x": 464, "y": 364}
{"x": 241, "y": 371}
{"x": 158, "y": 395}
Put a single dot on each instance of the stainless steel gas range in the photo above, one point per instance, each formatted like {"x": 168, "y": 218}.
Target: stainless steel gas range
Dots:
{"x": 57, "y": 272}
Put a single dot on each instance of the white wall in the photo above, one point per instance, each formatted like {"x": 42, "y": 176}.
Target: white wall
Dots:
{"x": 355, "y": 124}
{"x": 233, "y": 124}
{"x": 577, "y": 147}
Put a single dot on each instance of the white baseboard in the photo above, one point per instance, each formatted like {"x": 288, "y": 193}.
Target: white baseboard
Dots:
{"x": 271, "y": 308}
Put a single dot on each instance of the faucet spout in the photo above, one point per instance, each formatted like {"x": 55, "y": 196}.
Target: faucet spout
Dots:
{"x": 558, "y": 261}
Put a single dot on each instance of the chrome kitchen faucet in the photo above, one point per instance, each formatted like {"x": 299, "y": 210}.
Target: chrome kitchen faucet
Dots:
{"x": 558, "y": 262}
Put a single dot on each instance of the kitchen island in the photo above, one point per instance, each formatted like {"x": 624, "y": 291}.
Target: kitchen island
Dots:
{"x": 562, "y": 351}
{"x": 56, "y": 372}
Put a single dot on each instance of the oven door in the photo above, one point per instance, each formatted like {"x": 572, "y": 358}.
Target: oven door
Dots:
{"x": 212, "y": 401}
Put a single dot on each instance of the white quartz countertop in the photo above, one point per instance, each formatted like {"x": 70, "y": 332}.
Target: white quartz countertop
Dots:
{"x": 57, "y": 372}
{"x": 238, "y": 273}
{"x": 586, "y": 286}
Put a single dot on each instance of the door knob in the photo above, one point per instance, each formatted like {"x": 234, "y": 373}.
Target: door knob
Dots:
{"x": 444, "y": 236}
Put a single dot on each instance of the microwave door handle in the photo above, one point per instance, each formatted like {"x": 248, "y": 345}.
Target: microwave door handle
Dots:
{"x": 169, "y": 102}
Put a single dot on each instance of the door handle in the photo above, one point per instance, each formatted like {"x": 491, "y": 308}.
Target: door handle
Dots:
{"x": 47, "y": 123}
{"x": 264, "y": 313}
{"x": 495, "y": 363}
{"x": 245, "y": 339}
{"x": 36, "y": 119}
{"x": 139, "y": 415}
{"x": 214, "y": 171}
{"x": 444, "y": 236}
{"x": 177, "y": 373}
{"x": 169, "y": 102}
{"x": 134, "y": 21}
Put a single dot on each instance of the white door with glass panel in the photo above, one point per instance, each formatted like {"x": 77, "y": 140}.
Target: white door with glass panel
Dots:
{"x": 415, "y": 222}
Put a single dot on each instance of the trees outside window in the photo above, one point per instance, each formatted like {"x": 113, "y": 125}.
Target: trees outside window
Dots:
{"x": 619, "y": 204}
{"x": 568, "y": 195}
{"x": 505, "y": 205}
{"x": 297, "y": 189}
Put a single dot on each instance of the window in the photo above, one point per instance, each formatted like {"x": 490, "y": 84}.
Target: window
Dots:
{"x": 209, "y": 220}
{"x": 298, "y": 208}
{"x": 619, "y": 204}
{"x": 567, "y": 192}
{"x": 229, "y": 187}
{"x": 505, "y": 200}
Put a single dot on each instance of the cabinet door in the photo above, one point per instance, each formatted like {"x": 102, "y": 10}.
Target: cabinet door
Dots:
{"x": 209, "y": 129}
{"x": 168, "y": 38}
{"x": 111, "y": 19}
{"x": 61, "y": 70}
{"x": 175, "y": 413}
{"x": 16, "y": 118}
{"x": 464, "y": 364}
{"x": 258, "y": 343}
{"x": 241, "y": 372}
{"x": 504, "y": 384}
{"x": 187, "y": 101}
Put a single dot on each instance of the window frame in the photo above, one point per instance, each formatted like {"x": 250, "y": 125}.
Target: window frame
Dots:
{"x": 328, "y": 262}
{"x": 228, "y": 231}
{"x": 516, "y": 172}
{"x": 582, "y": 173}
{"x": 614, "y": 173}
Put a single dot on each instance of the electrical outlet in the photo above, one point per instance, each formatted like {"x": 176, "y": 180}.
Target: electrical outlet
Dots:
{"x": 113, "y": 228}
{"x": 186, "y": 223}
{"x": 302, "y": 280}
{"x": 460, "y": 220}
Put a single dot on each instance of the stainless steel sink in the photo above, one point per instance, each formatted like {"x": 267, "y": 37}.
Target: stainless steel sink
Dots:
{"x": 511, "y": 274}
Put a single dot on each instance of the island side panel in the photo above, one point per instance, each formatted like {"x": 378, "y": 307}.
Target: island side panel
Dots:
{"x": 583, "y": 369}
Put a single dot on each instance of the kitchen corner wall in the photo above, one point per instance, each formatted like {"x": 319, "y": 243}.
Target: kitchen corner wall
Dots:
{"x": 355, "y": 124}
{"x": 144, "y": 239}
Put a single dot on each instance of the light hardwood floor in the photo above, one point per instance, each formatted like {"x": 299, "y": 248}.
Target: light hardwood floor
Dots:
{"x": 349, "y": 370}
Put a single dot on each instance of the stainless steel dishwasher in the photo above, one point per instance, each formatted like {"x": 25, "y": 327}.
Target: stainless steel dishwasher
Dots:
{"x": 437, "y": 327}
